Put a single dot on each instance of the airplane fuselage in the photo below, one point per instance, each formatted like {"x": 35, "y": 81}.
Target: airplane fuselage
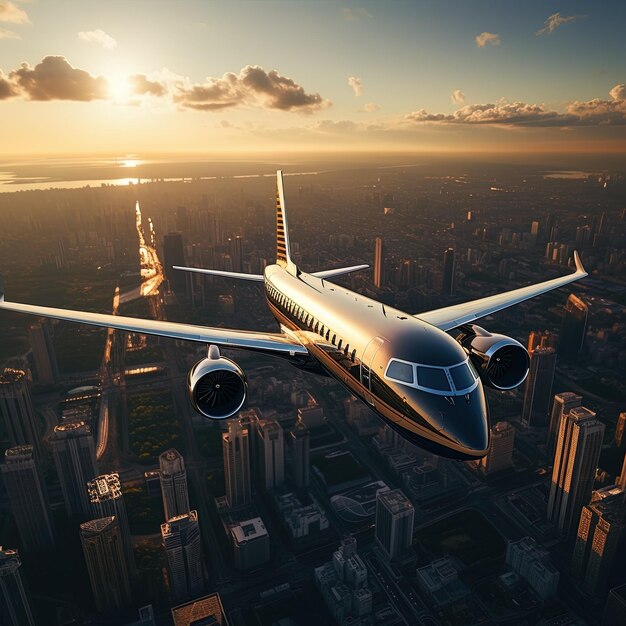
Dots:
{"x": 413, "y": 375}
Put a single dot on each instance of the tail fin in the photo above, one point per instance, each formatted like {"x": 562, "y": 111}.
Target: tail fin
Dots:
{"x": 283, "y": 256}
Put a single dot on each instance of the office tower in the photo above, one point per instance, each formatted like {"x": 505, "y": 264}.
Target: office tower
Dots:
{"x": 532, "y": 563}
{"x": 174, "y": 254}
{"x": 74, "y": 455}
{"x": 573, "y": 327}
{"x": 575, "y": 462}
{"x": 105, "y": 495}
{"x": 562, "y": 404}
{"x": 615, "y": 609}
{"x": 27, "y": 496}
{"x": 46, "y": 368}
{"x": 541, "y": 339}
{"x": 600, "y": 531}
{"x": 251, "y": 543}
{"x": 270, "y": 453}
{"x": 236, "y": 452}
{"x": 103, "y": 550}
{"x": 235, "y": 250}
{"x": 394, "y": 522}
{"x": 183, "y": 555}
{"x": 173, "y": 484}
{"x": 300, "y": 455}
{"x": 15, "y": 609}
{"x": 207, "y": 610}
{"x": 538, "y": 390}
{"x": 19, "y": 420}
{"x": 379, "y": 264}
{"x": 500, "y": 455}
{"x": 620, "y": 432}
{"x": 448, "y": 272}
{"x": 621, "y": 479}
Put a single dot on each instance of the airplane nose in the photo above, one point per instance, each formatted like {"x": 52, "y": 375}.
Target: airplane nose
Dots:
{"x": 467, "y": 423}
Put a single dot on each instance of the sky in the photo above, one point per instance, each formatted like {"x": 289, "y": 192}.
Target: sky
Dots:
{"x": 205, "y": 76}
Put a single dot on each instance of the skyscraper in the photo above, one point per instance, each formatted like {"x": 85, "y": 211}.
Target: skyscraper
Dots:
{"x": 174, "y": 254}
{"x": 575, "y": 463}
{"x": 103, "y": 550}
{"x": 183, "y": 554}
{"x": 207, "y": 610}
{"x": 573, "y": 327}
{"x": 27, "y": 496}
{"x": 538, "y": 390}
{"x": 15, "y": 609}
{"x": 620, "y": 432}
{"x": 46, "y": 368}
{"x": 300, "y": 454}
{"x": 74, "y": 455}
{"x": 394, "y": 522}
{"x": 173, "y": 484}
{"x": 379, "y": 264}
{"x": 236, "y": 453}
{"x": 448, "y": 272}
{"x": 271, "y": 453}
{"x": 500, "y": 455}
{"x": 562, "y": 404}
{"x": 235, "y": 250}
{"x": 105, "y": 495}
{"x": 19, "y": 421}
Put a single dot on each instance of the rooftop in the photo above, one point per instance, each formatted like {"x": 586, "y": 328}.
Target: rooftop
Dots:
{"x": 395, "y": 500}
{"x": 197, "y": 610}
{"x": 9, "y": 376}
{"x": 105, "y": 487}
{"x": 249, "y": 530}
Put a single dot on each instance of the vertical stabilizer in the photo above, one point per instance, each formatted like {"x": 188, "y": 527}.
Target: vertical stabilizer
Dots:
{"x": 283, "y": 252}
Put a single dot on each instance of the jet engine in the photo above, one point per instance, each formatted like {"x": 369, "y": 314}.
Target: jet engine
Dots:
{"x": 217, "y": 386}
{"x": 501, "y": 361}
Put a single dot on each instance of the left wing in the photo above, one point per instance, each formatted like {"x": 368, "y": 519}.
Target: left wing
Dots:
{"x": 270, "y": 343}
{"x": 459, "y": 314}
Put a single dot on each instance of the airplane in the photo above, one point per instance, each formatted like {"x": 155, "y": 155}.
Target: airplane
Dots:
{"x": 423, "y": 374}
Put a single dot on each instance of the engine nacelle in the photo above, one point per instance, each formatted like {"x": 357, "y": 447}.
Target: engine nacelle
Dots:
{"x": 501, "y": 361}
{"x": 217, "y": 386}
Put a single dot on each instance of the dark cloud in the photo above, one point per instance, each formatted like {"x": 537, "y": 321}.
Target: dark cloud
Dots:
{"x": 55, "y": 79}
{"x": 7, "y": 90}
{"x": 141, "y": 85}
{"x": 253, "y": 86}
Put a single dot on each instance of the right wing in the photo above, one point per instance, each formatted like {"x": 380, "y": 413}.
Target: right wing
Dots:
{"x": 259, "y": 277}
{"x": 270, "y": 343}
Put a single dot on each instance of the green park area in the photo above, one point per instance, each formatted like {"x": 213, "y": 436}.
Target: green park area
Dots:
{"x": 152, "y": 426}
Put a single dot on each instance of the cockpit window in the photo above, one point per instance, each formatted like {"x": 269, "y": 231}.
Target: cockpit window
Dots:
{"x": 400, "y": 371}
{"x": 432, "y": 378}
{"x": 462, "y": 376}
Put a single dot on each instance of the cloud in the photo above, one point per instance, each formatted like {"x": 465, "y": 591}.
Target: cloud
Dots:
{"x": 355, "y": 83}
{"x": 458, "y": 97}
{"x": 370, "y": 107}
{"x": 99, "y": 37}
{"x": 252, "y": 86}
{"x": 141, "y": 85}
{"x": 13, "y": 14}
{"x": 8, "y": 34}
{"x": 55, "y": 79}
{"x": 487, "y": 39}
{"x": 7, "y": 89}
{"x": 355, "y": 14}
{"x": 556, "y": 20}
{"x": 596, "y": 112}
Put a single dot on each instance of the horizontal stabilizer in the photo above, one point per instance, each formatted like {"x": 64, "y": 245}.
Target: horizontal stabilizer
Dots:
{"x": 339, "y": 271}
{"x": 255, "y": 277}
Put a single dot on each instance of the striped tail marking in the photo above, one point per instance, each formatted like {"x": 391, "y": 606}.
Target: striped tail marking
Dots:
{"x": 282, "y": 235}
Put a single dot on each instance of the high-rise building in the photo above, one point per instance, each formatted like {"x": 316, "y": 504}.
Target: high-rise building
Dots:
{"x": 600, "y": 531}
{"x": 251, "y": 543}
{"x": 28, "y": 499}
{"x": 15, "y": 609}
{"x": 620, "y": 432}
{"x": 562, "y": 404}
{"x": 173, "y": 484}
{"x": 270, "y": 453}
{"x": 379, "y": 264}
{"x": 203, "y": 611}
{"x": 532, "y": 563}
{"x": 621, "y": 479}
{"x": 74, "y": 455}
{"x": 103, "y": 550}
{"x": 107, "y": 500}
{"x": 300, "y": 454}
{"x": 538, "y": 390}
{"x": 394, "y": 522}
{"x": 500, "y": 455}
{"x": 235, "y": 250}
{"x": 448, "y": 272}
{"x": 174, "y": 254}
{"x": 615, "y": 609}
{"x": 19, "y": 421}
{"x": 183, "y": 554}
{"x": 541, "y": 339}
{"x": 575, "y": 462}
{"x": 236, "y": 453}
{"x": 46, "y": 368}
{"x": 573, "y": 327}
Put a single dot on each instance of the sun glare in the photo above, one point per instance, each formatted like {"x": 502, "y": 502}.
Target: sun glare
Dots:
{"x": 129, "y": 163}
{"x": 119, "y": 87}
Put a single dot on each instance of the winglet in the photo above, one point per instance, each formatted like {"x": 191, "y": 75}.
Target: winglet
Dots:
{"x": 579, "y": 264}
{"x": 1, "y": 290}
